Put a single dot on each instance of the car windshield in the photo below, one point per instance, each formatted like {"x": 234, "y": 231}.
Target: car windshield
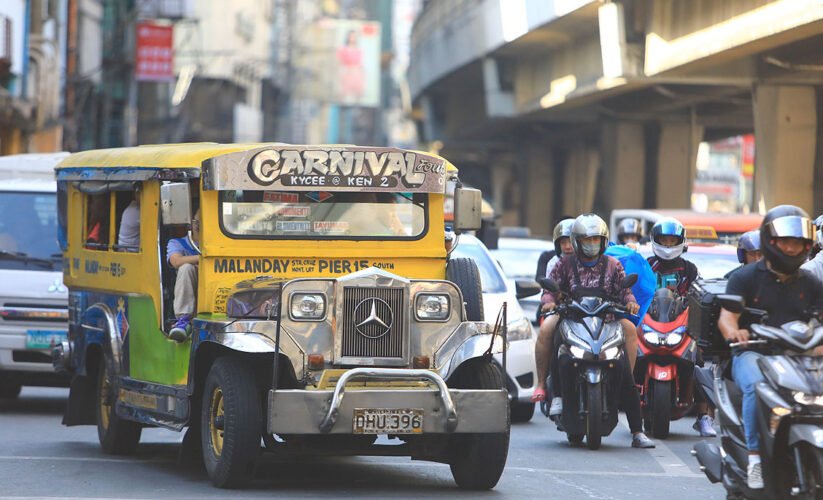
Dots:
{"x": 712, "y": 265}
{"x": 28, "y": 231}
{"x": 323, "y": 215}
{"x": 490, "y": 278}
{"x": 518, "y": 262}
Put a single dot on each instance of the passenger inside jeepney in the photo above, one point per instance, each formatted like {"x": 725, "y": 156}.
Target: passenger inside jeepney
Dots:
{"x": 97, "y": 222}
{"x": 183, "y": 254}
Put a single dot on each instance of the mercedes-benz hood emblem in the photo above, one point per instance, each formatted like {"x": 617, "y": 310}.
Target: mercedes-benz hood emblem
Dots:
{"x": 378, "y": 318}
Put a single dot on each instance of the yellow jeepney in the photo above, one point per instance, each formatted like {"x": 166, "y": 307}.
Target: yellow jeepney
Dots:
{"x": 327, "y": 313}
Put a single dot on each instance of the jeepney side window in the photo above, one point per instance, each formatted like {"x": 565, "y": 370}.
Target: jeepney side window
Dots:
{"x": 98, "y": 217}
{"x": 127, "y": 220}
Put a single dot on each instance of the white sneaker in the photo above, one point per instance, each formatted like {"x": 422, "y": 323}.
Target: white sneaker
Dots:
{"x": 755, "y": 476}
{"x": 556, "y": 408}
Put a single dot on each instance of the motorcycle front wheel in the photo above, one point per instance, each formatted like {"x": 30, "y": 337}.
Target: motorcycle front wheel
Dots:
{"x": 812, "y": 465}
{"x": 594, "y": 415}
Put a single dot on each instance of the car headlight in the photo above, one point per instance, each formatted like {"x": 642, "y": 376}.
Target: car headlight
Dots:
{"x": 432, "y": 307}
{"x": 311, "y": 306}
{"x": 520, "y": 329}
{"x": 577, "y": 352}
{"x": 807, "y": 399}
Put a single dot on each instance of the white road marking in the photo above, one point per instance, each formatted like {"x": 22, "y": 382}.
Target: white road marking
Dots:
{"x": 664, "y": 456}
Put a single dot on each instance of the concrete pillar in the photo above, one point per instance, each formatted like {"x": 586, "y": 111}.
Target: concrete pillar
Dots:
{"x": 580, "y": 179}
{"x": 623, "y": 157}
{"x": 676, "y": 164}
{"x": 539, "y": 189}
{"x": 785, "y": 135}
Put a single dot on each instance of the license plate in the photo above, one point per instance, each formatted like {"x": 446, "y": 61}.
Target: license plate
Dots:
{"x": 388, "y": 421}
{"x": 44, "y": 339}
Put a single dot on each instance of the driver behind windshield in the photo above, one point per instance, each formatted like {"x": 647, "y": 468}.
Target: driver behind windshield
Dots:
{"x": 590, "y": 273}
{"x": 777, "y": 285}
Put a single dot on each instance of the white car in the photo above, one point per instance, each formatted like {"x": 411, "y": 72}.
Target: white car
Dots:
{"x": 518, "y": 257}
{"x": 521, "y": 372}
{"x": 33, "y": 300}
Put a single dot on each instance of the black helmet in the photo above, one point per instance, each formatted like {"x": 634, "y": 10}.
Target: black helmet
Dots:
{"x": 785, "y": 221}
{"x": 749, "y": 242}
{"x": 629, "y": 227}
{"x": 587, "y": 225}
{"x": 563, "y": 229}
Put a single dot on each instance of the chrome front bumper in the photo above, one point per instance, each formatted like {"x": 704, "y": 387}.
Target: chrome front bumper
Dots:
{"x": 445, "y": 410}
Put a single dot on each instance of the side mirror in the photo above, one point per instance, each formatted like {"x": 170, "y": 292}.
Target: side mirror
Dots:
{"x": 175, "y": 203}
{"x": 732, "y": 303}
{"x": 467, "y": 204}
{"x": 526, "y": 288}
{"x": 629, "y": 281}
{"x": 549, "y": 284}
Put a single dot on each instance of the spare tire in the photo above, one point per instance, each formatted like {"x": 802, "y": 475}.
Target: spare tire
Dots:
{"x": 463, "y": 272}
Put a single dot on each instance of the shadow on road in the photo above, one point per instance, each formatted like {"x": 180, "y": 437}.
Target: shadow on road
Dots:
{"x": 39, "y": 402}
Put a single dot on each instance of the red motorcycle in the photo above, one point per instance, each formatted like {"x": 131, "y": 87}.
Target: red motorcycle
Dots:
{"x": 665, "y": 362}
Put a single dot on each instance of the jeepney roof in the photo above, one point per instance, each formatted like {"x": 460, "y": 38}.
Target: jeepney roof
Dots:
{"x": 150, "y": 161}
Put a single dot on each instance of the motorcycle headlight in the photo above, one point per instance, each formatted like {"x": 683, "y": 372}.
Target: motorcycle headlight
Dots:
{"x": 520, "y": 329}
{"x": 432, "y": 307}
{"x": 807, "y": 399}
{"x": 577, "y": 352}
{"x": 652, "y": 337}
{"x": 310, "y": 306}
{"x": 673, "y": 338}
{"x": 610, "y": 353}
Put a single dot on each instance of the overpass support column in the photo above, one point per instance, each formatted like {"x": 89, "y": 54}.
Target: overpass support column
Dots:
{"x": 623, "y": 154}
{"x": 538, "y": 187}
{"x": 676, "y": 164}
{"x": 785, "y": 131}
{"x": 580, "y": 178}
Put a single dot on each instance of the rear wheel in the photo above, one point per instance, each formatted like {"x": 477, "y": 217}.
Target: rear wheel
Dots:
{"x": 521, "y": 412}
{"x": 117, "y": 436}
{"x": 660, "y": 409}
{"x": 9, "y": 390}
{"x": 463, "y": 272}
{"x": 594, "y": 416}
{"x": 575, "y": 438}
{"x": 231, "y": 422}
{"x": 477, "y": 460}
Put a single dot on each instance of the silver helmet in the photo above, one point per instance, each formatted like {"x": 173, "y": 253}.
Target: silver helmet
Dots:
{"x": 585, "y": 226}
{"x": 563, "y": 229}
{"x": 629, "y": 227}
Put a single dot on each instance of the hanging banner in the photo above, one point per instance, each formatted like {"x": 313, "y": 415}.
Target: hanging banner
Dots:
{"x": 155, "y": 53}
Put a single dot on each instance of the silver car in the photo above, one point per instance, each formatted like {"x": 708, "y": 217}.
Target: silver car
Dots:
{"x": 521, "y": 372}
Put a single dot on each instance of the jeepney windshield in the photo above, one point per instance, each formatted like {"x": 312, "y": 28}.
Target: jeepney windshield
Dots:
{"x": 323, "y": 215}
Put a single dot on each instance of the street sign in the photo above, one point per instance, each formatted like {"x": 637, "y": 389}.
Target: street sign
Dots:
{"x": 155, "y": 52}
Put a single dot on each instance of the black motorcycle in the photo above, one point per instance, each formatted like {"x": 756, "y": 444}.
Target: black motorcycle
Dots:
{"x": 789, "y": 412}
{"x": 591, "y": 346}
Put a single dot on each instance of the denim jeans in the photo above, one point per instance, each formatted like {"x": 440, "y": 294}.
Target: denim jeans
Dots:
{"x": 746, "y": 375}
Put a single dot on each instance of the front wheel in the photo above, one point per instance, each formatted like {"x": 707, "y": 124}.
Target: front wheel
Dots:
{"x": 231, "y": 422}
{"x": 812, "y": 466}
{"x": 594, "y": 416}
{"x": 117, "y": 436}
{"x": 661, "y": 409}
{"x": 477, "y": 460}
{"x": 521, "y": 412}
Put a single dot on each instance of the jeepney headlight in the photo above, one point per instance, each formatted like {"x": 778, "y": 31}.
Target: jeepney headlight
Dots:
{"x": 310, "y": 306}
{"x": 432, "y": 307}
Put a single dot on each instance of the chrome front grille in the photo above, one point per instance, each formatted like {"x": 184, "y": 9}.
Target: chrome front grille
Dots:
{"x": 373, "y": 322}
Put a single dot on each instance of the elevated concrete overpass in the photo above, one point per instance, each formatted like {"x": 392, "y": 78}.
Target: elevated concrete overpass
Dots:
{"x": 564, "y": 106}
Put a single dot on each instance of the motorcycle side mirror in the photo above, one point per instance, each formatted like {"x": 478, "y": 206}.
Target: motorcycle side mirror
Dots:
{"x": 629, "y": 281}
{"x": 549, "y": 284}
{"x": 526, "y": 288}
{"x": 732, "y": 303}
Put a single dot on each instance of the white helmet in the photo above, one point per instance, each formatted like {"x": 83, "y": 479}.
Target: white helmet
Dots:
{"x": 668, "y": 227}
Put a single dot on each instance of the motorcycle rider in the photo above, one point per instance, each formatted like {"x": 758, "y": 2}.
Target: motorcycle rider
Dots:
{"x": 630, "y": 232}
{"x": 668, "y": 238}
{"x": 748, "y": 250}
{"x": 777, "y": 285}
{"x": 590, "y": 272}
{"x": 562, "y": 246}
{"x": 815, "y": 265}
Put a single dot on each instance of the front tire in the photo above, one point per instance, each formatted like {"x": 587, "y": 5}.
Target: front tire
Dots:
{"x": 231, "y": 422}
{"x": 812, "y": 459}
{"x": 117, "y": 436}
{"x": 477, "y": 460}
{"x": 521, "y": 412}
{"x": 594, "y": 416}
{"x": 463, "y": 272}
{"x": 660, "y": 410}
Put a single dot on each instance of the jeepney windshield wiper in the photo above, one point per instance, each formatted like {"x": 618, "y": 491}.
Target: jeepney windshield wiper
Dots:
{"x": 26, "y": 258}
{"x": 410, "y": 197}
